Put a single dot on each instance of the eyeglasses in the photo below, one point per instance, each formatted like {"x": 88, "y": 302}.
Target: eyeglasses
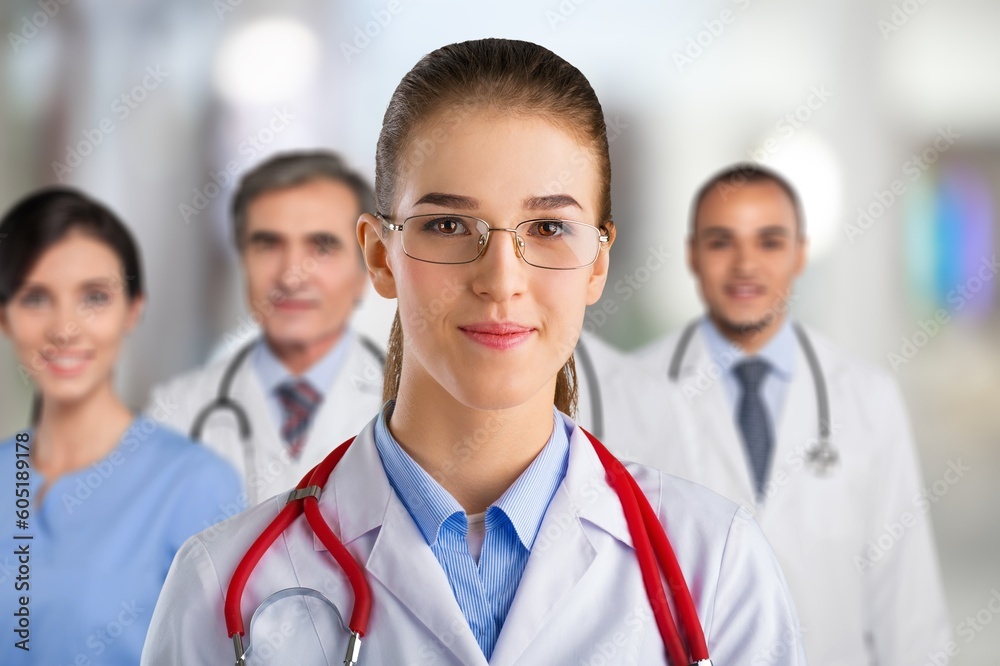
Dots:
{"x": 443, "y": 238}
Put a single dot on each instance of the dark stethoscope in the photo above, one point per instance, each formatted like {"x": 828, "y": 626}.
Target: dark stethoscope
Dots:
{"x": 225, "y": 402}
{"x": 821, "y": 457}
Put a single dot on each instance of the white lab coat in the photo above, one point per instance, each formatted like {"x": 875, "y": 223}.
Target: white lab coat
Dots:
{"x": 580, "y": 599}
{"x": 620, "y": 411}
{"x": 353, "y": 399}
{"x": 859, "y": 603}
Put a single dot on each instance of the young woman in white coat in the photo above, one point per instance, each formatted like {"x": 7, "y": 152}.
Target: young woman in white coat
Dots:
{"x": 479, "y": 524}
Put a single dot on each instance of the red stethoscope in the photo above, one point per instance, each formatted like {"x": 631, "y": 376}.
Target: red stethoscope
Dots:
{"x": 650, "y": 540}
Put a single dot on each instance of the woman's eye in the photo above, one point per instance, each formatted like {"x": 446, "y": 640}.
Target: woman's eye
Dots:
{"x": 446, "y": 226}
{"x": 96, "y": 298}
{"x": 548, "y": 228}
{"x": 33, "y": 299}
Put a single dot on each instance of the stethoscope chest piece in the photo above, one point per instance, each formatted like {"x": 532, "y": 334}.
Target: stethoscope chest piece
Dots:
{"x": 823, "y": 459}
{"x": 275, "y": 639}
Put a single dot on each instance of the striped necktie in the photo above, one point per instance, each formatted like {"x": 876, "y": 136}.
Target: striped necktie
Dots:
{"x": 753, "y": 419}
{"x": 299, "y": 401}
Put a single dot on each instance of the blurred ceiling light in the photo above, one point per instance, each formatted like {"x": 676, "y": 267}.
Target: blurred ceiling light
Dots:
{"x": 809, "y": 163}
{"x": 265, "y": 61}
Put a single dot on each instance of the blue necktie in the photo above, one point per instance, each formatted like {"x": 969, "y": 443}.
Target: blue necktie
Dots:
{"x": 299, "y": 401}
{"x": 755, "y": 424}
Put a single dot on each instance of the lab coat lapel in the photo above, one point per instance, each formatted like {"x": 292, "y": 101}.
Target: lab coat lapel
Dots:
{"x": 719, "y": 447}
{"x": 400, "y": 559}
{"x": 266, "y": 443}
{"x": 562, "y": 552}
{"x": 402, "y": 562}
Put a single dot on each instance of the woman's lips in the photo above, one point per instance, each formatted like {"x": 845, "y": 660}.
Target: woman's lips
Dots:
{"x": 497, "y": 335}
{"x": 66, "y": 365}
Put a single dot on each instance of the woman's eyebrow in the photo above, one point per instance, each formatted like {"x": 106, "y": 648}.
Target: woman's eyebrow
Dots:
{"x": 449, "y": 201}
{"x": 102, "y": 282}
{"x": 551, "y": 202}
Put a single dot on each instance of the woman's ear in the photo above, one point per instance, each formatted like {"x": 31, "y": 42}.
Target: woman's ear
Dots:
{"x": 373, "y": 248}
{"x": 599, "y": 269}
{"x": 135, "y": 309}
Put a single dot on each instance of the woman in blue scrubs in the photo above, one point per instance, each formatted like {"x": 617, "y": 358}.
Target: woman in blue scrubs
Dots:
{"x": 96, "y": 500}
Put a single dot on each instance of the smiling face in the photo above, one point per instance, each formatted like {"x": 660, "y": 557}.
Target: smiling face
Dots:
{"x": 304, "y": 273}
{"x": 67, "y": 321}
{"x": 746, "y": 252}
{"x": 495, "y": 332}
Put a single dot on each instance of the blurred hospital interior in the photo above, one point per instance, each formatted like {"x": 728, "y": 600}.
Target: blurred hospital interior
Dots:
{"x": 885, "y": 114}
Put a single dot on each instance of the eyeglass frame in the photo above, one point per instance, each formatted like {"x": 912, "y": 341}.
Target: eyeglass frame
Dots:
{"x": 519, "y": 242}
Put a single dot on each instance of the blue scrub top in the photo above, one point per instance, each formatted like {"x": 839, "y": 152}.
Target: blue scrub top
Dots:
{"x": 102, "y": 541}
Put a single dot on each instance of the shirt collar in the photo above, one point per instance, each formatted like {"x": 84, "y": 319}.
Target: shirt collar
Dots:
{"x": 524, "y": 503}
{"x": 779, "y": 351}
{"x": 273, "y": 373}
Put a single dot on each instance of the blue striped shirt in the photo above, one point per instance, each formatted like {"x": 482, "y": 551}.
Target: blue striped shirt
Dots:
{"x": 484, "y": 591}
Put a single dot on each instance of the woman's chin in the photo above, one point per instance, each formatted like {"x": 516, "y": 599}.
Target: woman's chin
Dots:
{"x": 496, "y": 393}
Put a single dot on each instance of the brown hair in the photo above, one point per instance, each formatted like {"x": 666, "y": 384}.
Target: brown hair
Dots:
{"x": 289, "y": 170}
{"x": 500, "y": 74}
{"x": 45, "y": 217}
{"x": 747, "y": 173}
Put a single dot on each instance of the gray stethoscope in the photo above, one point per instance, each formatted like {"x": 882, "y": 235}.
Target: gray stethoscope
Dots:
{"x": 822, "y": 457}
{"x": 225, "y": 402}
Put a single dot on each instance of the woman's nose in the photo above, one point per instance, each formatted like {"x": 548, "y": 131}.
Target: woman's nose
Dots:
{"x": 500, "y": 269}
